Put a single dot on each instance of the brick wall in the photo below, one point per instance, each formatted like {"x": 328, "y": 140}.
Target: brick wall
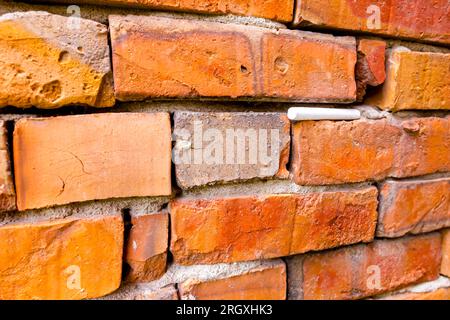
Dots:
{"x": 146, "y": 152}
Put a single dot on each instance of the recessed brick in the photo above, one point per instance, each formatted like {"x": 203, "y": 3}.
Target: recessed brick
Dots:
{"x": 7, "y": 192}
{"x": 87, "y": 157}
{"x": 61, "y": 259}
{"x": 370, "y": 66}
{"x": 157, "y": 57}
{"x": 49, "y": 61}
{"x": 229, "y": 147}
{"x": 415, "y": 19}
{"x": 413, "y": 207}
{"x": 366, "y": 269}
{"x": 415, "y": 81}
{"x": 208, "y": 231}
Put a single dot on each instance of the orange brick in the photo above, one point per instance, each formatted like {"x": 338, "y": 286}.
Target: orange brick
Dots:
{"x": 280, "y": 10}
{"x": 260, "y": 283}
{"x": 61, "y": 259}
{"x": 157, "y": 57}
{"x": 146, "y": 251}
{"x": 208, "y": 231}
{"x": 370, "y": 67}
{"x": 415, "y": 80}
{"x": 7, "y": 193}
{"x": 78, "y": 158}
{"x": 415, "y": 19}
{"x": 445, "y": 268}
{"x": 49, "y": 61}
{"x": 331, "y": 152}
{"x": 364, "y": 270}
{"x": 413, "y": 207}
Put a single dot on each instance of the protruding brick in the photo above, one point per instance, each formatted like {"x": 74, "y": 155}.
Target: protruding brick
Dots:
{"x": 207, "y": 231}
{"x": 157, "y": 57}
{"x": 49, "y": 61}
{"x": 370, "y": 67}
{"x": 87, "y": 157}
{"x": 445, "y": 268}
{"x": 365, "y": 270}
{"x": 415, "y": 19}
{"x": 259, "y": 283}
{"x": 413, "y": 207}
{"x": 146, "y": 252}
{"x": 332, "y": 152}
{"x": 415, "y": 80}
{"x": 279, "y": 10}
{"x": 62, "y": 259}
{"x": 228, "y": 147}
{"x": 7, "y": 193}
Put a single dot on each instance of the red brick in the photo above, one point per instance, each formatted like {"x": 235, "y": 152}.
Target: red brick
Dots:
{"x": 61, "y": 259}
{"x": 147, "y": 243}
{"x": 96, "y": 156}
{"x": 49, "y": 61}
{"x": 331, "y": 152}
{"x": 413, "y": 207}
{"x": 208, "y": 231}
{"x": 415, "y": 19}
{"x": 156, "y": 57}
{"x": 415, "y": 81}
{"x": 7, "y": 192}
{"x": 260, "y": 283}
{"x": 445, "y": 268}
{"x": 280, "y": 10}
{"x": 370, "y": 66}
{"x": 351, "y": 272}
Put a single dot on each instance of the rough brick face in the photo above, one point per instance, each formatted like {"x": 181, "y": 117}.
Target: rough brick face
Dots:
{"x": 95, "y": 157}
{"x": 147, "y": 243}
{"x": 413, "y": 207}
{"x": 370, "y": 66}
{"x": 61, "y": 259}
{"x": 366, "y": 269}
{"x": 47, "y": 61}
{"x": 416, "y": 19}
{"x": 7, "y": 193}
{"x": 206, "y": 231}
{"x": 157, "y": 57}
{"x": 332, "y": 152}
{"x": 445, "y": 268}
{"x": 261, "y": 283}
{"x": 415, "y": 80}
{"x": 229, "y": 147}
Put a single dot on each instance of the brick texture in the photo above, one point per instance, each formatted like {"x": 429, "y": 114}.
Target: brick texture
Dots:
{"x": 413, "y": 207}
{"x": 332, "y": 152}
{"x": 364, "y": 270}
{"x": 415, "y": 81}
{"x": 61, "y": 259}
{"x": 7, "y": 193}
{"x": 198, "y": 59}
{"x": 260, "y": 283}
{"x": 445, "y": 268}
{"x": 95, "y": 157}
{"x": 370, "y": 66}
{"x": 206, "y": 231}
{"x": 258, "y": 142}
{"x": 147, "y": 244}
{"x": 415, "y": 19}
{"x": 49, "y": 61}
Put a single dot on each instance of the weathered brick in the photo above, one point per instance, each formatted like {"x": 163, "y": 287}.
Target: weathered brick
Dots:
{"x": 445, "y": 268}
{"x": 279, "y": 10}
{"x": 415, "y": 80}
{"x": 370, "y": 66}
{"x": 7, "y": 193}
{"x": 147, "y": 243}
{"x": 157, "y": 57}
{"x": 415, "y": 19}
{"x": 259, "y": 283}
{"x": 364, "y": 270}
{"x": 207, "y": 231}
{"x": 96, "y": 156}
{"x": 228, "y": 147}
{"x": 413, "y": 207}
{"x": 331, "y": 152}
{"x": 49, "y": 61}
{"x": 61, "y": 259}
{"x": 434, "y": 290}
